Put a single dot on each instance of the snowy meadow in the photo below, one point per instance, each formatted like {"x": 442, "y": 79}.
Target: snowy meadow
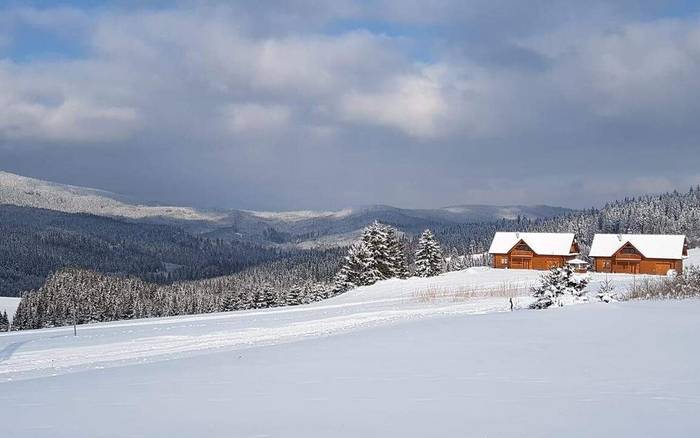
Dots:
{"x": 436, "y": 355}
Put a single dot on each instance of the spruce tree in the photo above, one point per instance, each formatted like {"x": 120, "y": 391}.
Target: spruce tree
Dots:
{"x": 557, "y": 284}
{"x": 376, "y": 238}
{"x": 4, "y": 322}
{"x": 228, "y": 302}
{"x": 294, "y": 296}
{"x": 428, "y": 256}
{"x": 397, "y": 255}
{"x": 358, "y": 269}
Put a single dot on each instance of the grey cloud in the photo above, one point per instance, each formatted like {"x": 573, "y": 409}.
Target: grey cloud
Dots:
{"x": 257, "y": 106}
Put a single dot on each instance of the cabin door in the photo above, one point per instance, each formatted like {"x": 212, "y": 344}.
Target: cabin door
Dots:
{"x": 626, "y": 268}
{"x": 520, "y": 263}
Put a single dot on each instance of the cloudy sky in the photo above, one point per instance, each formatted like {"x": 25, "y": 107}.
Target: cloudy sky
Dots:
{"x": 302, "y": 104}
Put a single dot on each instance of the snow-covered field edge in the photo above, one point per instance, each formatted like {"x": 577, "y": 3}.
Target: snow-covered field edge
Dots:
{"x": 472, "y": 291}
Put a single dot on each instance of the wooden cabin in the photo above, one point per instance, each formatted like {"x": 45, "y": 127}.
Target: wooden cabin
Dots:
{"x": 540, "y": 251}
{"x": 654, "y": 254}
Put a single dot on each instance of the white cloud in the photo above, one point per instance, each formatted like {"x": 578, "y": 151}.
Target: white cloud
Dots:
{"x": 36, "y": 107}
{"x": 411, "y": 103}
{"x": 648, "y": 72}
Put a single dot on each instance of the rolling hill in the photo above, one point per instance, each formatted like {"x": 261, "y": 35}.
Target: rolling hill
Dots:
{"x": 303, "y": 228}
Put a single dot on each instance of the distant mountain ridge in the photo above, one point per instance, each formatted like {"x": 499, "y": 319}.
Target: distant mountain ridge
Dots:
{"x": 304, "y": 228}
{"x": 30, "y": 192}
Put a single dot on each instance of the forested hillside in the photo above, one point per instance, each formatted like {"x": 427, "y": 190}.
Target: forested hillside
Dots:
{"x": 669, "y": 213}
{"x": 36, "y": 242}
{"x": 83, "y": 296}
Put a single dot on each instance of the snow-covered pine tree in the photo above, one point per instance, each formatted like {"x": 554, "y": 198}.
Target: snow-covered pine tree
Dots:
{"x": 557, "y": 286}
{"x": 397, "y": 254}
{"x": 428, "y": 256}
{"x": 294, "y": 295}
{"x": 259, "y": 299}
{"x": 376, "y": 238}
{"x": 4, "y": 322}
{"x": 228, "y": 302}
{"x": 358, "y": 268}
{"x": 606, "y": 291}
{"x": 456, "y": 262}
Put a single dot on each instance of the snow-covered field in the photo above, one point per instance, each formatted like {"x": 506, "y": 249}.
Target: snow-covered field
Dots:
{"x": 618, "y": 370}
{"x": 418, "y": 357}
{"x": 473, "y": 291}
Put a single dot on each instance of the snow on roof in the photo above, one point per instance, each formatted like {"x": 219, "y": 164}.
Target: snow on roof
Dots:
{"x": 652, "y": 246}
{"x": 577, "y": 262}
{"x": 540, "y": 243}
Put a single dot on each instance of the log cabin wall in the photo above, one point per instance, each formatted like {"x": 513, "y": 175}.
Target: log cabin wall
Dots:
{"x": 537, "y": 262}
{"x": 641, "y": 266}
{"x": 523, "y": 260}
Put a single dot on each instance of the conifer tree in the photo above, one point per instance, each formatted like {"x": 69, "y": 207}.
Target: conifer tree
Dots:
{"x": 428, "y": 256}
{"x": 376, "y": 239}
{"x": 4, "y": 322}
{"x": 228, "y": 302}
{"x": 358, "y": 270}
{"x": 397, "y": 255}
{"x": 557, "y": 284}
{"x": 293, "y": 297}
{"x": 259, "y": 299}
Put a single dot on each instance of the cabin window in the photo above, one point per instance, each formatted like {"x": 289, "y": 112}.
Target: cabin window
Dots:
{"x": 628, "y": 250}
{"x": 606, "y": 264}
{"x": 504, "y": 260}
{"x": 522, "y": 247}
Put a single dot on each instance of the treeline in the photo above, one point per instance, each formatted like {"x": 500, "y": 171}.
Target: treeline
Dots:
{"x": 669, "y": 213}
{"x": 83, "y": 296}
{"x": 80, "y": 296}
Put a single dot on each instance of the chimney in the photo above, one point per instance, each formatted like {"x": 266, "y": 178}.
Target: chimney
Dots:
{"x": 619, "y": 237}
{"x": 517, "y": 235}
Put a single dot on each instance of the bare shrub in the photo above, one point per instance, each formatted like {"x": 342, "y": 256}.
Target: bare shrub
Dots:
{"x": 667, "y": 288}
{"x": 456, "y": 294}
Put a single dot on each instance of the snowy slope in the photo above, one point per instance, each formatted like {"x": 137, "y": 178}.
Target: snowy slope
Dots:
{"x": 473, "y": 291}
{"x": 693, "y": 257}
{"x": 9, "y": 304}
{"x": 618, "y": 370}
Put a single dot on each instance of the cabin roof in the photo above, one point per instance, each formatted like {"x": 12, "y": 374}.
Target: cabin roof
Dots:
{"x": 541, "y": 243}
{"x": 652, "y": 246}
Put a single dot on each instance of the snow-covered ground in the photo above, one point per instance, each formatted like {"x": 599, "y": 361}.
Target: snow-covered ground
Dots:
{"x": 473, "y": 291}
{"x": 693, "y": 257}
{"x": 617, "y": 370}
{"x": 417, "y": 357}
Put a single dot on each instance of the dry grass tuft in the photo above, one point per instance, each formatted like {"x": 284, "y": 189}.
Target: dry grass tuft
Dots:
{"x": 436, "y": 294}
